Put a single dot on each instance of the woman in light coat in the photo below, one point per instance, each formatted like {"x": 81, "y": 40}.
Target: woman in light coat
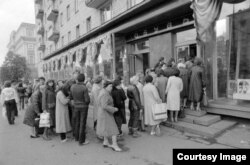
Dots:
{"x": 173, "y": 91}
{"x": 151, "y": 97}
{"x": 106, "y": 125}
{"x": 94, "y": 97}
{"x": 62, "y": 113}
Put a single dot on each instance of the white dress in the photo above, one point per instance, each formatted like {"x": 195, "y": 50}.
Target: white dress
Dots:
{"x": 173, "y": 91}
{"x": 151, "y": 96}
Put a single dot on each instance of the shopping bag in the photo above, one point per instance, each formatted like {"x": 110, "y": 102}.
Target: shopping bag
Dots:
{"x": 204, "y": 98}
{"x": 44, "y": 120}
{"x": 4, "y": 112}
{"x": 160, "y": 111}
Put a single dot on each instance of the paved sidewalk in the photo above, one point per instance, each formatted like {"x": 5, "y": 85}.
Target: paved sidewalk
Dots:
{"x": 17, "y": 148}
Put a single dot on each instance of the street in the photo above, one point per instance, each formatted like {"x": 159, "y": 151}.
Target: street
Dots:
{"x": 17, "y": 148}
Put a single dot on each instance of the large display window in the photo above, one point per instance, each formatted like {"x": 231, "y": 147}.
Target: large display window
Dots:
{"x": 232, "y": 57}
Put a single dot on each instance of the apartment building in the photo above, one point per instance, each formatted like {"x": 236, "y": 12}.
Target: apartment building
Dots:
{"x": 23, "y": 42}
{"x": 123, "y": 37}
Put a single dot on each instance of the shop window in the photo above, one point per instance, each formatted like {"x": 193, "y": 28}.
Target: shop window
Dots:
{"x": 118, "y": 62}
{"x": 232, "y": 53}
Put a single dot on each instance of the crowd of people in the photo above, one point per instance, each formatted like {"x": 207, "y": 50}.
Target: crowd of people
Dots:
{"x": 67, "y": 102}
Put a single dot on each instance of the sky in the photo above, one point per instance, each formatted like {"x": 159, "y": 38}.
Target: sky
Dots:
{"x": 12, "y": 14}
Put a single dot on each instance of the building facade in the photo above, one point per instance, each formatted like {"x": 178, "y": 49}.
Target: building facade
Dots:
{"x": 23, "y": 42}
{"x": 123, "y": 37}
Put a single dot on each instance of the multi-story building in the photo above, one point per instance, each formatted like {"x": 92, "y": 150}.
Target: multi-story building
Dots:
{"x": 23, "y": 42}
{"x": 123, "y": 37}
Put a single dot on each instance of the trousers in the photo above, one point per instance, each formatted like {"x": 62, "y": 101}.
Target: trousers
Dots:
{"x": 80, "y": 116}
{"x": 134, "y": 118}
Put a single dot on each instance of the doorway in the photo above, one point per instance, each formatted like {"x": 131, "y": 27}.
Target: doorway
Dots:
{"x": 138, "y": 63}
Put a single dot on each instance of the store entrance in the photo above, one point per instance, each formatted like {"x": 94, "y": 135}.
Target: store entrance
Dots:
{"x": 186, "y": 46}
{"x": 138, "y": 63}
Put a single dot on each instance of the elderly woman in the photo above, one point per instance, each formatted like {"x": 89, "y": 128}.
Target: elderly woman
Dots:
{"x": 151, "y": 97}
{"x": 62, "y": 113}
{"x": 197, "y": 84}
{"x": 106, "y": 125}
{"x": 33, "y": 111}
{"x": 97, "y": 86}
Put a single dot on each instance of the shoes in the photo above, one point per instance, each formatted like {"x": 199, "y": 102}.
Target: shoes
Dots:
{"x": 85, "y": 143}
{"x": 106, "y": 145}
{"x": 152, "y": 133}
{"x": 120, "y": 135}
{"x": 116, "y": 148}
{"x": 64, "y": 140}
{"x": 46, "y": 138}
{"x": 136, "y": 135}
{"x": 32, "y": 136}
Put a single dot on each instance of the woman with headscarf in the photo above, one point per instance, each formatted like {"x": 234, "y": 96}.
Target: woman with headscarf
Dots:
{"x": 106, "y": 125}
{"x": 197, "y": 84}
{"x": 33, "y": 111}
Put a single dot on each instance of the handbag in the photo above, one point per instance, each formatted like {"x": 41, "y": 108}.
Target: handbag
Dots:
{"x": 44, "y": 119}
{"x": 204, "y": 98}
{"x": 160, "y": 111}
{"x": 4, "y": 112}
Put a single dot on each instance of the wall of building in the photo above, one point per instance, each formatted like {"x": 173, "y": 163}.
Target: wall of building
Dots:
{"x": 165, "y": 49}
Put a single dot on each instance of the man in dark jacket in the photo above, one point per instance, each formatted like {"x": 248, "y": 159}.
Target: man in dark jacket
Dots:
{"x": 80, "y": 95}
{"x": 134, "y": 106}
{"x": 119, "y": 98}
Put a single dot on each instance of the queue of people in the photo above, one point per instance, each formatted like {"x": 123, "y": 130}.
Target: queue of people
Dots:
{"x": 67, "y": 103}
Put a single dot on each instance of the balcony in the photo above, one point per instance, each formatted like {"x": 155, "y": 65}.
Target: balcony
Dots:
{"x": 53, "y": 35}
{"x": 41, "y": 46}
{"x": 52, "y": 13}
{"x": 40, "y": 30}
{"x": 40, "y": 13}
{"x": 95, "y": 3}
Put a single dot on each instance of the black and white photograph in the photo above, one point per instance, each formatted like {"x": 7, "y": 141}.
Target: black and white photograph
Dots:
{"x": 118, "y": 82}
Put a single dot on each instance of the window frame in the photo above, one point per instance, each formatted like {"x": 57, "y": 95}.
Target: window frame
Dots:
{"x": 78, "y": 31}
{"x": 88, "y": 24}
{"x": 68, "y": 12}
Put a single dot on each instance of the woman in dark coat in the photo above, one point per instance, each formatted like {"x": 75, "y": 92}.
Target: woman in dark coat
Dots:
{"x": 33, "y": 111}
{"x": 119, "y": 98}
{"x": 197, "y": 84}
{"x": 21, "y": 94}
{"x": 49, "y": 105}
{"x": 184, "y": 75}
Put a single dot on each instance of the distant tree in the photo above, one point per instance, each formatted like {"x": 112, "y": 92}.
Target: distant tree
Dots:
{"x": 14, "y": 68}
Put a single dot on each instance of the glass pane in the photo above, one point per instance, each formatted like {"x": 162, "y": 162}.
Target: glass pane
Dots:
{"x": 188, "y": 35}
{"x": 118, "y": 63}
{"x": 233, "y": 49}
